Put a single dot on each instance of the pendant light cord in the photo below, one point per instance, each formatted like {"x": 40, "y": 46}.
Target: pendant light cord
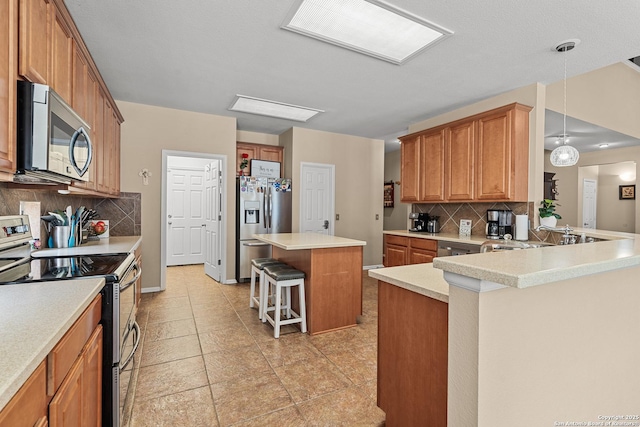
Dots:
{"x": 564, "y": 123}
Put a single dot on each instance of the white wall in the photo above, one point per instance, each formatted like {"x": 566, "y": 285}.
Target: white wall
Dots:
{"x": 395, "y": 218}
{"x": 359, "y": 166}
{"x": 148, "y": 130}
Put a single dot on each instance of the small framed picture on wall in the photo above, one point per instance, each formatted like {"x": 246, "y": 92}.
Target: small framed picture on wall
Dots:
{"x": 627, "y": 192}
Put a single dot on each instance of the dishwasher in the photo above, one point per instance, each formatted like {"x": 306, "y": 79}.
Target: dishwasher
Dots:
{"x": 456, "y": 248}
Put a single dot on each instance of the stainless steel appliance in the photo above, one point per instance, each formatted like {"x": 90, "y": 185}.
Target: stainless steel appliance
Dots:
{"x": 418, "y": 221}
{"x": 433, "y": 224}
{"x": 499, "y": 223}
{"x": 53, "y": 142}
{"x": 446, "y": 248}
{"x": 19, "y": 265}
{"x": 264, "y": 206}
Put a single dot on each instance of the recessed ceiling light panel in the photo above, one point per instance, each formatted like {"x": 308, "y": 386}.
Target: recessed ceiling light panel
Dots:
{"x": 265, "y": 107}
{"x": 371, "y": 27}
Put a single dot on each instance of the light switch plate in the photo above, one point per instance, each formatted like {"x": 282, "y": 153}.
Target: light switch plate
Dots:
{"x": 465, "y": 227}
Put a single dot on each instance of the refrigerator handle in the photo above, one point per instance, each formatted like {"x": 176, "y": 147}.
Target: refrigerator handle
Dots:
{"x": 270, "y": 209}
{"x": 264, "y": 209}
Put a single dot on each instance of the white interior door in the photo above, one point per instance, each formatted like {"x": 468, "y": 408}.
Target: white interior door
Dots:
{"x": 317, "y": 191}
{"x": 185, "y": 216}
{"x": 213, "y": 218}
{"x": 589, "y": 205}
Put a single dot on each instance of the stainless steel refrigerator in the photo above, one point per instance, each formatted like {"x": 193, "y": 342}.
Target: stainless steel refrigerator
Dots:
{"x": 264, "y": 206}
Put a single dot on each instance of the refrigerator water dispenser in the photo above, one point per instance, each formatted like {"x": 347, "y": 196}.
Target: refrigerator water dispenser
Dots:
{"x": 251, "y": 212}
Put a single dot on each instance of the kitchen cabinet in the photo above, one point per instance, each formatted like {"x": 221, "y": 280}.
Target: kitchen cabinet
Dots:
{"x": 36, "y": 18}
{"x": 67, "y": 385}
{"x": 399, "y": 250}
{"x": 410, "y": 171}
{"x": 503, "y": 154}
{"x": 412, "y": 357}
{"x": 29, "y": 405}
{"x": 459, "y": 164}
{"x": 272, "y": 153}
{"x": 479, "y": 158}
{"x": 51, "y": 51}
{"x": 61, "y": 57}
{"x": 8, "y": 66}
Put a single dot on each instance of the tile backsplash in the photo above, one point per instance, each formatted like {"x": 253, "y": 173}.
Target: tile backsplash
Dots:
{"x": 451, "y": 213}
{"x": 124, "y": 214}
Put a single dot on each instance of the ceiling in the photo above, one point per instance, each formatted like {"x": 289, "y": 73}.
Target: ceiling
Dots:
{"x": 197, "y": 55}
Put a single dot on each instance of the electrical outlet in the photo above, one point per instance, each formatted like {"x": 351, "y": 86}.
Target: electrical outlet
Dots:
{"x": 337, "y": 217}
{"x": 377, "y": 217}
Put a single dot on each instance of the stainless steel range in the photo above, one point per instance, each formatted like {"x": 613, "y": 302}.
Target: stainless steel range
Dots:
{"x": 121, "y": 331}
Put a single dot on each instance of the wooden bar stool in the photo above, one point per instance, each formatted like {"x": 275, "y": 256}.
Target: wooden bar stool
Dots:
{"x": 283, "y": 279}
{"x": 257, "y": 268}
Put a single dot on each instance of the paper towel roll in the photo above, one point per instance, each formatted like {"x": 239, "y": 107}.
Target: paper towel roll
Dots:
{"x": 522, "y": 227}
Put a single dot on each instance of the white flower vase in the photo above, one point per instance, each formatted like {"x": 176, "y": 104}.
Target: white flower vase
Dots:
{"x": 549, "y": 221}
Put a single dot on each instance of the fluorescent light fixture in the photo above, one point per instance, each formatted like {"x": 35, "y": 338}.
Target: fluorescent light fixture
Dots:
{"x": 371, "y": 27}
{"x": 265, "y": 107}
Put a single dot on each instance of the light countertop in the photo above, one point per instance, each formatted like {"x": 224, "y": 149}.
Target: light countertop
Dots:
{"x": 112, "y": 245}
{"x": 33, "y": 318}
{"x": 449, "y": 237}
{"x": 419, "y": 278}
{"x": 531, "y": 267}
{"x": 298, "y": 241}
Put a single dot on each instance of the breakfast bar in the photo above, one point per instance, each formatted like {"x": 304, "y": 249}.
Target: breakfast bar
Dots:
{"x": 333, "y": 282}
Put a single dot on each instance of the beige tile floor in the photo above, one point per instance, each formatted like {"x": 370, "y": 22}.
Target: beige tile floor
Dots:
{"x": 207, "y": 360}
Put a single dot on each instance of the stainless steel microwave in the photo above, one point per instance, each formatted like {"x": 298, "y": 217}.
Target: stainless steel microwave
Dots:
{"x": 53, "y": 142}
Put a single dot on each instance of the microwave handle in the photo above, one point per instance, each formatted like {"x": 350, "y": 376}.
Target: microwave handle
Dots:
{"x": 72, "y": 146}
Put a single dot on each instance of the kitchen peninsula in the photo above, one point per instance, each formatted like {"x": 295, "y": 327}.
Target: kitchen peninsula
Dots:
{"x": 536, "y": 336}
{"x": 333, "y": 282}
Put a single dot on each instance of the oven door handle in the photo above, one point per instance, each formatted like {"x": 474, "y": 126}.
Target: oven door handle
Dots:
{"x": 138, "y": 270}
{"x": 15, "y": 263}
{"x": 136, "y": 329}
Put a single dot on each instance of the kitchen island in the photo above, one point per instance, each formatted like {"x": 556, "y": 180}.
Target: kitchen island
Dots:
{"x": 542, "y": 336}
{"x": 333, "y": 282}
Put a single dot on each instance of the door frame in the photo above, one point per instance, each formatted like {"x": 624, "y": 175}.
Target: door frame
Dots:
{"x": 163, "y": 211}
{"x": 595, "y": 213}
{"x": 332, "y": 187}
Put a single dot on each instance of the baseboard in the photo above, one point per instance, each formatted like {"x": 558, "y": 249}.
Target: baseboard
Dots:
{"x": 150, "y": 290}
{"x": 230, "y": 282}
{"x": 372, "y": 267}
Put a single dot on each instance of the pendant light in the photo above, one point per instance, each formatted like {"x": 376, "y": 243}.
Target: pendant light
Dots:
{"x": 565, "y": 155}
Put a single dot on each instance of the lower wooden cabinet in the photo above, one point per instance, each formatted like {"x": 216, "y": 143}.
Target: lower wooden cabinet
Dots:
{"x": 399, "y": 250}
{"x": 412, "y": 357}
{"x": 29, "y": 406}
{"x": 67, "y": 385}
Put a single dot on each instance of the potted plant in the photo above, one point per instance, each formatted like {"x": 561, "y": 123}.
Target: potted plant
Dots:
{"x": 244, "y": 163}
{"x": 548, "y": 216}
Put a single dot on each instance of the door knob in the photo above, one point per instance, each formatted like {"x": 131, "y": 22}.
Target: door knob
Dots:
{"x": 169, "y": 216}
{"x": 170, "y": 223}
{"x": 326, "y": 224}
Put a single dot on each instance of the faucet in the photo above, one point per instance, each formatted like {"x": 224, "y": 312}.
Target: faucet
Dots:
{"x": 567, "y": 238}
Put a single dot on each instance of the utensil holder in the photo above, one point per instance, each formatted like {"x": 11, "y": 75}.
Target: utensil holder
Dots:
{"x": 61, "y": 236}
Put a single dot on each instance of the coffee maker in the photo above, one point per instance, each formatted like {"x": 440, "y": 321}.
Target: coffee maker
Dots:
{"x": 499, "y": 223}
{"x": 418, "y": 221}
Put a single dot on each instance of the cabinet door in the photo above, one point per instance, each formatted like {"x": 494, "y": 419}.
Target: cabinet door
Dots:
{"x": 432, "y": 166}
{"x": 92, "y": 380}
{"x": 419, "y": 256}
{"x": 273, "y": 154}
{"x": 410, "y": 169}
{"x": 36, "y": 18}
{"x": 61, "y": 58}
{"x": 493, "y": 156}
{"x": 115, "y": 183}
{"x": 395, "y": 255}
{"x": 99, "y": 141}
{"x": 65, "y": 408}
{"x": 29, "y": 404}
{"x": 8, "y": 57}
{"x": 460, "y": 162}
{"x": 80, "y": 83}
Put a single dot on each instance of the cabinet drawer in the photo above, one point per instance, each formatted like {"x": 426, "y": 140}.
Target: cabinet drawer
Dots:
{"x": 65, "y": 353}
{"x": 396, "y": 240}
{"x": 426, "y": 244}
{"x": 29, "y": 405}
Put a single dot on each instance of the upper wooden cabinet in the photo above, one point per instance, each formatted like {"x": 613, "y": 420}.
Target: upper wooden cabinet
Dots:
{"x": 272, "y": 153}
{"x": 8, "y": 67}
{"x": 480, "y": 158}
{"x": 52, "y": 52}
{"x": 36, "y": 18}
